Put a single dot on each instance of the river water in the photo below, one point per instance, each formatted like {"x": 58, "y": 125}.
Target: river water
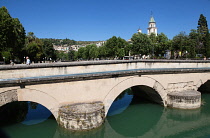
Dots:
{"x": 127, "y": 117}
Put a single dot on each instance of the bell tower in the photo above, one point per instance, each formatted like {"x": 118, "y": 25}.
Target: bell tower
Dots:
{"x": 152, "y": 26}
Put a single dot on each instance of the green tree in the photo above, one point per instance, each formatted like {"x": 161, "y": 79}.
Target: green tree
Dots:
{"x": 34, "y": 48}
{"x": 203, "y": 31}
{"x": 12, "y": 35}
{"x": 71, "y": 55}
{"x": 162, "y": 44}
{"x": 102, "y": 51}
{"x": 34, "y": 51}
{"x": 61, "y": 55}
{"x": 180, "y": 42}
{"x": 142, "y": 44}
{"x": 207, "y": 44}
{"x": 194, "y": 43}
{"x": 115, "y": 46}
{"x": 68, "y": 42}
{"x": 111, "y": 45}
{"x": 93, "y": 53}
{"x": 128, "y": 50}
{"x": 81, "y": 53}
{"x": 120, "y": 53}
{"x": 202, "y": 26}
{"x": 48, "y": 50}
{"x": 31, "y": 37}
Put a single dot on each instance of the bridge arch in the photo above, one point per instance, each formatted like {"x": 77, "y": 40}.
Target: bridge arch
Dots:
{"x": 31, "y": 95}
{"x": 34, "y": 95}
{"x": 130, "y": 82}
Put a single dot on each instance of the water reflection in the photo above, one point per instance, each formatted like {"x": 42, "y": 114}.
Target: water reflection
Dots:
{"x": 14, "y": 112}
{"x": 121, "y": 103}
{"x": 36, "y": 114}
{"x": 128, "y": 117}
{"x": 143, "y": 118}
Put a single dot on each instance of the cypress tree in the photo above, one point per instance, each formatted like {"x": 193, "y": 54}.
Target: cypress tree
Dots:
{"x": 203, "y": 32}
{"x": 202, "y": 26}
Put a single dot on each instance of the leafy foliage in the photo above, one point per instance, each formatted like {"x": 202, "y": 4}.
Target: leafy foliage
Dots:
{"x": 202, "y": 26}
{"x": 142, "y": 44}
{"x": 115, "y": 47}
{"x": 12, "y": 36}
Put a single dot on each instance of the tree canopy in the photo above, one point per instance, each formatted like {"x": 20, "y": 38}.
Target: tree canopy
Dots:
{"x": 12, "y": 36}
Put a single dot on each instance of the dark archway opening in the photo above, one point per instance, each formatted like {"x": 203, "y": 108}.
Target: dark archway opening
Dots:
{"x": 135, "y": 111}
{"x": 25, "y": 119}
{"x": 205, "y": 88}
{"x": 205, "y": 97}
{"x": 146, "y": 94}
{"x": 27, "y": 113}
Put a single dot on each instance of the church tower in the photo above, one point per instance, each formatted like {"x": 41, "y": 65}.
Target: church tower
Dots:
{"x": 152, "y": 26}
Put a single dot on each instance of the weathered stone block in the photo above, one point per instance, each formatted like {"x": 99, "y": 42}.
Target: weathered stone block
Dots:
{"x": 8, "y": 96}
{"x": 189, "y": 99}
{"x": 82, "y": 116}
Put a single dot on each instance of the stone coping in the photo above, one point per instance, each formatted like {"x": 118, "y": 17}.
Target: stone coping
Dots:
{"x": 187, "y": 93}
{"x": 81, "y": 108}
{"x": 95, "y": 75}
{"x": 99, "y": 62}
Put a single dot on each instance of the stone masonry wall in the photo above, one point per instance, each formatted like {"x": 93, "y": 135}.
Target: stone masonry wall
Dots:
{"x": 80, "y": 117}
{"x": 8, "y": 96}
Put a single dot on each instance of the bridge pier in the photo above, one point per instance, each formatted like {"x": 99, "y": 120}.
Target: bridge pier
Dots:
{"x": 188, "y": 99}
{"x": 82, "y": 116}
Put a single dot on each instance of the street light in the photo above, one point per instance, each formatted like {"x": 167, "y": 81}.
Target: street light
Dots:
{"x": 4, "y": 60}
{"x": 24, "y": 60}
{"x": 186, "y": 54}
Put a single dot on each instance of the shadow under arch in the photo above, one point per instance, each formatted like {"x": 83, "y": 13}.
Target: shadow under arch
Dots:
{"x": 18, "y": 113}
{"x": 31, "y": 95}
{"x": 205, "y": 87}
{"x": 39, "y": 97}
{"x": 147, "y": 93}
{"x": 132, "y": 82}
{"x": 137, "y": 118}
{"x": 24, "y": 112}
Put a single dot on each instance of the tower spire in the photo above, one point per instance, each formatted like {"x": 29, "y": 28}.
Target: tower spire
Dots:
{"x": 152, "y": 18}
{"x": 152, "y": 25}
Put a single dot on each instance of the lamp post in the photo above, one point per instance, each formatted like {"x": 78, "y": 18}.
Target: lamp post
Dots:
{"x": 4, "y": 60}
{"x": 186, "y": 54}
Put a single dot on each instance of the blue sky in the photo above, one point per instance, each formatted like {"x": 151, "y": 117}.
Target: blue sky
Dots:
{"x": 93, "y": 20}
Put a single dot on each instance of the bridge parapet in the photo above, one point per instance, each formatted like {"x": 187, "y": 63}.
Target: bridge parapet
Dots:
{"x": 22, "y": 71}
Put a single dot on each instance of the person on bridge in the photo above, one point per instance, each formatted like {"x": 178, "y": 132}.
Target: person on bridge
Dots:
{"x": 28, "y": 61}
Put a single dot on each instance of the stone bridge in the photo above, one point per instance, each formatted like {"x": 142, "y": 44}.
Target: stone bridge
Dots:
{"x": 71, "y": 91}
